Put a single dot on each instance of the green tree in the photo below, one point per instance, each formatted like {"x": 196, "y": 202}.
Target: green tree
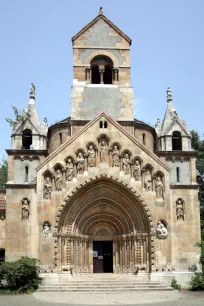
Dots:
{"x": 3, "y": 173}
{"x": 19, "y": 117}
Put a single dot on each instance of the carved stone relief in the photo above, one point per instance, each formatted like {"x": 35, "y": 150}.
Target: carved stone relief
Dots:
{"x": 137, "y": 170}
{"x": 25, "y": 209}
{"x": 126, "y": 163}
{"x": 58, "y": 179}
{"x": 103, "y": 151}
{"x": 91, "y": 154}
{"x": 159, "y": 188}
{"x": 116, "y": 156}
{"x": 69, "y": 170}
{"x": 147, "y": 180}
{"x": 80, "y": 163}
{"x": 180, "y": 210}
{"x": 46, "y": 229}
{"x": 47, "y": 190}
{"x": 161, "y": 230}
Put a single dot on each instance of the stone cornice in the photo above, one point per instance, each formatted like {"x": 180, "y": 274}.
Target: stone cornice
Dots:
{"x": 20, "y": 186}
{"x": 184, "y": 186}
{"x": 114, "y": 123}
{"x": 177, "y": 153}
{"x": 27, "y": 152}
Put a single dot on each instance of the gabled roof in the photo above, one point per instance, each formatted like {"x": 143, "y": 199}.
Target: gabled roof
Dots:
{"x": 87, "y": 126}
{"x": 102, "y": 16}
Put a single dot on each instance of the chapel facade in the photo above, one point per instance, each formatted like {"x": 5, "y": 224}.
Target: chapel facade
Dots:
{"x": 101, "y": 191}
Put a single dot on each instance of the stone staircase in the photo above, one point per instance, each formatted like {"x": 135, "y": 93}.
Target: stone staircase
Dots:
{"x": 99, "y": 283}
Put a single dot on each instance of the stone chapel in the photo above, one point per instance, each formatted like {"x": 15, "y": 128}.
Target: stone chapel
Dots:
{"x": 101, "y": 191}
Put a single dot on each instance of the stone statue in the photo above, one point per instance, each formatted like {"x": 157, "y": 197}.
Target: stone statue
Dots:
{"x": 179, "y": 210}
{"x": 101, "y": 10}
{"x": 58, "y": 180}
{"x": 25, "y": 209}
{"x": 91, "y": 156}
{"x": 46, "y": 229}
{"x": 161, "y": 231}
{"x": 158, "y": 125}
{"x": 80, "y": 163}
{"x": 47, "y": 188}
{"x": 169, "y": 94}
{"x": 104, "y": 150}
{"x": 159, "y": 188}
{"x": 116, "y": 156}
{"x": 147, "y": 180}
{"x": 45, "y": 121}
{"x": 137, "y": 170}
{"x": 69, "y": 170}
{"x": 32, "y": 91}
{"x": 126, "y": 163}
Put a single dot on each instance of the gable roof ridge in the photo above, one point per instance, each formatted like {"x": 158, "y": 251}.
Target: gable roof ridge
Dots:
{"x": 101, "y": 16}
{"x": 89, "y": 124}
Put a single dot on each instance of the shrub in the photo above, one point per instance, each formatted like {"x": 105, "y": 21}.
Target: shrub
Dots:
{"x": 197, "y": 282}
{"x": 175, "y": 285}
{"x": 21, "y": 275}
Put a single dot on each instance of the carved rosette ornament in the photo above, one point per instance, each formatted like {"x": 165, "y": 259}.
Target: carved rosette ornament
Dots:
{"x": 161, "y": 230}
{"x": 25, "y": 209}
{"x": 46, "y": 229}
{"x": 180, "y": 209}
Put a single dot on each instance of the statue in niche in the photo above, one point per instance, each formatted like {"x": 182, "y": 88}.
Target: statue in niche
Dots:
{"x": 126, "y": 163}
{"x": 69, "y": 170}
{"x": 46, "y": 229}
{"x": 47, "y": 188}
{"x": 161, "y": 231}
{"x": 104, "y": 150}
{"x": 32, "y": 91}
{"x": 80, "y": 163}
{"x": 179, "y": 210}
{"x": 159, "y": 188}
{"x": 25, "y": 209}
{"x": 58, "y": 180}
{"x": 91, "y": 156}
{"x": 116, "y": 156}
{"x": 147, "y": 180}
{"x": 137, "y": 170}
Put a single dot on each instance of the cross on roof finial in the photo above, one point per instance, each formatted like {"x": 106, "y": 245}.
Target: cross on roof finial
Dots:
{"x": 169, "y": 94}
{"x": 101, "y": 10}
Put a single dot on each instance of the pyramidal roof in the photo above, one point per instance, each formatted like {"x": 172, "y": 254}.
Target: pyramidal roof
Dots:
{"x": 98, "y": 17}
{"x": 172, "y": 121}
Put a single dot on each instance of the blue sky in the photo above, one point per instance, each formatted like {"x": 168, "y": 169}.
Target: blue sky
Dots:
{"x": 167, "y": 50}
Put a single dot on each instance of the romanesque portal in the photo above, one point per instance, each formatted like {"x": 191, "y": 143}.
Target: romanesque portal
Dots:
{"x": 103, "y": 228}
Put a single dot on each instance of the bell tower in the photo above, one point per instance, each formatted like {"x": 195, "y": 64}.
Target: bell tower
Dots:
{"x": 101, "y": 69}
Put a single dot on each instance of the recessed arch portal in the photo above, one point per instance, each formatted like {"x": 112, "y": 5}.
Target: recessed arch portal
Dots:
{"x": 110, "y": 206}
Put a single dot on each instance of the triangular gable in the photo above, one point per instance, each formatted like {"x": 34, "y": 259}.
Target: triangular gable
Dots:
{"x": 101, "y": 16}
{"x": 87, "y": 126}
{"x": 180, "y": 125}
{"x": 19, "y": 128}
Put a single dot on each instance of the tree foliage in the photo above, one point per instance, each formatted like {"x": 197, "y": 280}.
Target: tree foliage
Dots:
{"x": 3, "y": 173}
{"x": 19, "y": 117}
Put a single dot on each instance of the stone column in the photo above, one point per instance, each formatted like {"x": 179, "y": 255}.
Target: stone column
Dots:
{"x": 101, "y": 71}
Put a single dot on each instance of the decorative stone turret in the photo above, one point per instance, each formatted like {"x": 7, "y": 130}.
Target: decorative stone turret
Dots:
{"x": 29, "y": 133}
{"x": 174, "y": 134}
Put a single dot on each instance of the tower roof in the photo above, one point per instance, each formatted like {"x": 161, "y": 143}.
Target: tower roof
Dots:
{"x": 98, "y": 17}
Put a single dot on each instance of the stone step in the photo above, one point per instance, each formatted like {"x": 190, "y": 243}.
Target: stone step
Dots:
{"x": 102, "y": 284}
{"x": 106, "y": 290}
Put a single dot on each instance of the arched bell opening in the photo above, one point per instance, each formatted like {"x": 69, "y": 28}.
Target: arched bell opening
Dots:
{"x": 104, "y": 227}
{"x": 27, "y": 139}
{"x": 101, "y": 70}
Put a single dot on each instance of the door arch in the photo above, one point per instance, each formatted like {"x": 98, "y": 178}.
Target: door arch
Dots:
{"x": 104, "y": 204}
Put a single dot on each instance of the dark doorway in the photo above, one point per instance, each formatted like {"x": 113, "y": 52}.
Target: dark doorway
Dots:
{"x": 102, "y": 257}
{"x": 95, "y": 75}
{"x": 108, "y": 75}
{"x": 2, "y": 255}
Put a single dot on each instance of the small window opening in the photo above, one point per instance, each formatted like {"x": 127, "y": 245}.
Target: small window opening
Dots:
{"x": 176, "y": 141}
{"x": 2, "y": 255}
{"x": 26, "y": 174}
{"x": 27, "y": 139}
{"x": 101, "y": 124}
{"x": 178, "y": 174}
{"x": 143, "y": 139}
{"x": 108, "y": 75}
{"x": 105, "y": 124}
{"x": 60, "y": 135}
{"x": 95, "y": 75}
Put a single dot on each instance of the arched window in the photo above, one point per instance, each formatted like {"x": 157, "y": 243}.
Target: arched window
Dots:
{"x": 101, "y": 70}
{"x": 27, "y": 139}
{"x": 60, "y": 136}
{"x": 176, "y": 141}
{"x": 2, "y": 255}
{"x": 26, "y": 174}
